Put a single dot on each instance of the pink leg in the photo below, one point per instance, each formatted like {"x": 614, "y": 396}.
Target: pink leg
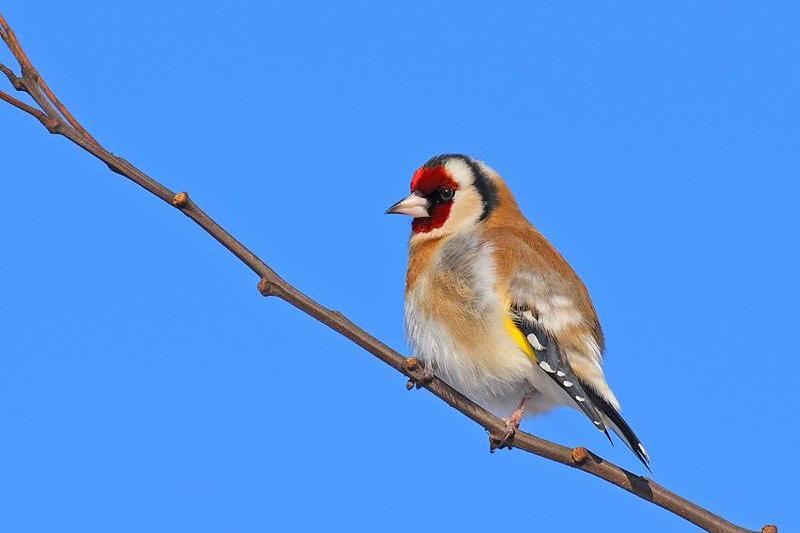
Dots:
{"x": 512, "y": 425}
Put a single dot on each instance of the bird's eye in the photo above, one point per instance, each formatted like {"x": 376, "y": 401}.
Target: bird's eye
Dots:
{"x": 446, "y": 193}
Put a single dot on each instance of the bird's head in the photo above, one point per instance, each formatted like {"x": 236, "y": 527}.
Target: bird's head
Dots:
{"x": 449, "y": 193}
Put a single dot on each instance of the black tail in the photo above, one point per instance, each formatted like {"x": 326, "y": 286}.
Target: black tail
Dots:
{"x": 619, "y": 426}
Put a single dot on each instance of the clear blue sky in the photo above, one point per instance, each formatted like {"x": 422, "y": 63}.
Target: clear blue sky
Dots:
{"x": 145, "y": 384}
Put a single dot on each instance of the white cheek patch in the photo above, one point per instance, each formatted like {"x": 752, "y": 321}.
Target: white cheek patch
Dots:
{"x": 464, "y": 213}
{"x": 460, "y": 172}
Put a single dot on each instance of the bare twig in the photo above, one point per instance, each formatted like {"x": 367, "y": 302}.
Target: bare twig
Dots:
{"x": 58, "y": 119}
{"x": 23, "y": 106}
{"x": 15, "y": 81}
{"x": 34, "y": 84}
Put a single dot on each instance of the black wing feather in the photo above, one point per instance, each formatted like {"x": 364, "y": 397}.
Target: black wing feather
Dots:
{"x": 554, "y": 363}
{"x": 620, "y": 427}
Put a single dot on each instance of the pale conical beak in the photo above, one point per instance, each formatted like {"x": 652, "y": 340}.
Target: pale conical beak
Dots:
{"x": 412, "y": 205}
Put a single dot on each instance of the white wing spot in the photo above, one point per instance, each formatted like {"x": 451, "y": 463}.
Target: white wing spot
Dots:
{"x": 546, "y": 367}
{"x": 580, "y": 398}
{"x": 560, "y": 374}
{"x": 596, "y": 422}
{"x": 534, "y": 340}
{"x": 527, "y": 315}
{"x": 568, "y": 384}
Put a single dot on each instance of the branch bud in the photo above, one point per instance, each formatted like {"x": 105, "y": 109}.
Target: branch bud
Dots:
{"x": 267, "y": 287}
{"x": 180, "y": 200}
{"x": 53, "y": 125}
{"x": 579, "y": 455}
{"x": 412, "y": 364}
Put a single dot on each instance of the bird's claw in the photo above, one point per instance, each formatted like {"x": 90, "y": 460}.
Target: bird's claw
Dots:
{"x": 426, "y": 377}
{"x": 507, "y": 440}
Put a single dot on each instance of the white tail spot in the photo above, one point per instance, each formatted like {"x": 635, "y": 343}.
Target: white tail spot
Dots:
{"x": 644, "y": 452}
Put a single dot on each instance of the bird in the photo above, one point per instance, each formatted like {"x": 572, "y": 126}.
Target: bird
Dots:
{"x": 493, "y": 309}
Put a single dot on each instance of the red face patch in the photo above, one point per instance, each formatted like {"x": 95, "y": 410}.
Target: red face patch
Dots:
{"x": 439, "y": 215}
{"x": 428, "y": 181}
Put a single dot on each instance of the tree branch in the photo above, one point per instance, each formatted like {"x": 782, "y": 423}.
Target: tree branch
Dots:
{"x": 58, "y": 119}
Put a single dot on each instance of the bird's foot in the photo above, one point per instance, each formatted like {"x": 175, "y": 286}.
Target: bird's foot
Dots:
{"x": 507, "y": 439}
{"x": 422, "y": 374}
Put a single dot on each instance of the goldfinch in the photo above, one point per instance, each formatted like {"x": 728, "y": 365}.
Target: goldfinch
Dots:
{"x": 493, "y": 309}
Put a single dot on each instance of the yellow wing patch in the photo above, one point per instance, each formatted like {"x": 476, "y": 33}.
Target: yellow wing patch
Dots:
{"x": 519, "y": 338}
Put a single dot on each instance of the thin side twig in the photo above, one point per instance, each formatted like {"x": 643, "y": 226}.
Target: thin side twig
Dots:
{"x": 15, "y": 81}
{"x": 34, "y": 83}
{"x": 58, "y": 119}
{"x": 23, "y": 106}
